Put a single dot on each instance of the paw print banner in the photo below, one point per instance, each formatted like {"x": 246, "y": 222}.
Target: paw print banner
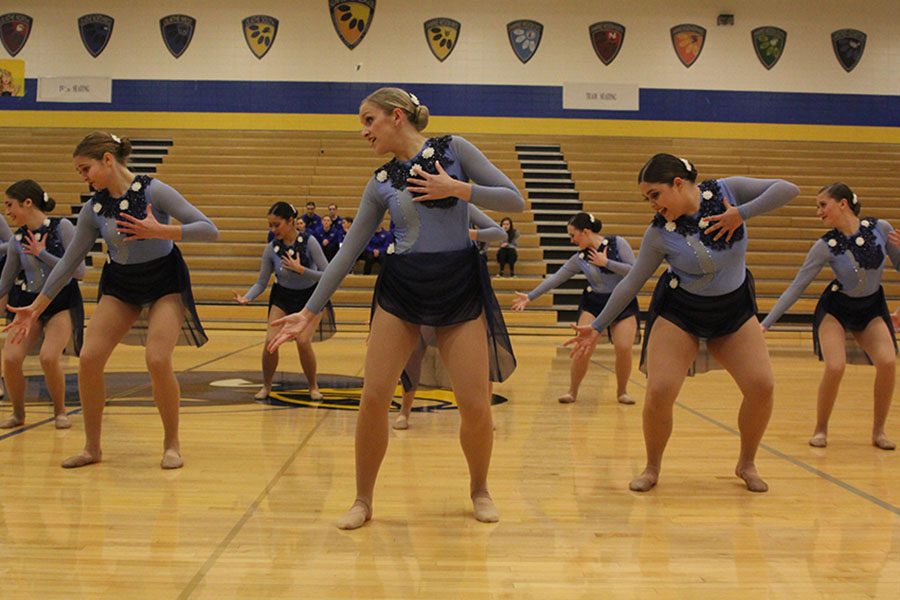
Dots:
{"x": 524, "y": 37}
{"x": 848, "y": 45}
{"x": 177, "y": 33}
{"x": 441, "y": 35}
{"x": 607, "y": 38}
{"x": 768, "y": 42}
{"x": 14, "y": 31}
{"x": 259, "y": 33}
{"x": 351, "y": 19}
{"x": 95, "y": 30}
{"x": 688, "y": 42}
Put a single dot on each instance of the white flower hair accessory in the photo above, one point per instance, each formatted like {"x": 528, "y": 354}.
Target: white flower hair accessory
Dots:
{"x": 413, "y": 98}
{"x": 46, "y": 197}
{"x": 381, "y": 176}
{"x": 136, "y": 186}
{"x": 832, "y": 242}
{"x": 686, "y": 164}
{"x": 115, "y": 138}
{"x": 707, "y": 195}
{"x": 591, "y": 217}
{"x": 671, "y": 226}
{"x": 855, "y": 200}
{"x": 428, "y": 152}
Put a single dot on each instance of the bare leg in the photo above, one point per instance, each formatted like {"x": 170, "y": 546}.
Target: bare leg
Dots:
{"x": 402, "y": 420}
{"x": 391, "y": 340}
{"x": 745, "y": 356}
{"x": 670, "y": 352}
{"x": 463, "y": 350}
{"x": 579, "y": 366}
{"x": 834, "y": 354}
{"x": 164, "y": 327}
{"x": 876, "y": 341}
{"x": 13, "y": 357}
{"x": 57, "y": 334}
{"x": 269, "y": 359}
{"x": 623, "y": 334}
{"x": 308, "y": 360}
{"x": 108, "y": 325}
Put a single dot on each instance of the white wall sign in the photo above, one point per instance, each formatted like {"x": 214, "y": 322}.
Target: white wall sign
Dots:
{"x": 600, "y": 96}
{"x": 74, "y": 89}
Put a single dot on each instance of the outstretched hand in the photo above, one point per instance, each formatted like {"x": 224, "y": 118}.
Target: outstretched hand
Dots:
{"x": 726, "y": 223}
{"x": 18, "y": 330}
{"x": 520, "y": 302}
{"x": 585, "y": 338}
{"x": 292, "y": 327}
{"x": 240, "y": 298}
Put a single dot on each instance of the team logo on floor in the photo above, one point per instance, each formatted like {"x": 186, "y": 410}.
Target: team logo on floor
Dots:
{"x": 351, "y": 19}
{"x": 230, "y": 388}
{"x": 177, "y": 32}
{"x": 442, "y": 35}
{"x": 849, "y": 45}
{"x": 688, "y": 42}
{"x": 607, "y": 38}
{"x": 524, "y": 37}
{"x": 259, "y": 32}
{"x": 768, "y": 42}
{"x": 14, "y": 31}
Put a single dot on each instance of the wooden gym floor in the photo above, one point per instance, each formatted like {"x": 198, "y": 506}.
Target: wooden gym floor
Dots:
{"x": 251, "y": 514}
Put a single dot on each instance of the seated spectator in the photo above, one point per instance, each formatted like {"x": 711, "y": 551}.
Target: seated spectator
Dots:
{"x": 330, "y": 237}
{"x": 507, "y": 254}
{"x": 311, "y": 220}
{"x": 336, "y": 220}
{"x": 377, "y": 249}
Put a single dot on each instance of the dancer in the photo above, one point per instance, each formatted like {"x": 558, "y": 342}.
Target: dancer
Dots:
{"x": 604, "y": 261}
{"x": 298, "y": 262}
{"x": 37, "y": 246}
{"x": 852, "y": 303}
{"x": 483, "y": 229}
{"x": 707, "y": 294}
{"x": 435, "y": 277}
{"x": 5, "y": 235}
{"x": 145, "y": 274}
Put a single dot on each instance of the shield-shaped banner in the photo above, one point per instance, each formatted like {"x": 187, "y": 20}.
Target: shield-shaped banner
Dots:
{"x": 259, "y": 32}
{"x": 14, "y": 31}
{"x": 607, "y": 38}
{"x": 351, "y": 19}
{"x": 95, "y": 30}
{"x": 849, "y": 45}
{"x": 177, "y": 32}
{"x": 688, "y": 42}
{"x": 524, "y": 37}
{"x": 768, "y": 42}
{"x": 441, "y": 35}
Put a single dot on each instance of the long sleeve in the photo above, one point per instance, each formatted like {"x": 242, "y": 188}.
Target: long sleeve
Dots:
{"x": 754, "y": 197}
{"x": 569, "y": 269}
{"x": 626, "y": 255}
{"x": 649, "y": 259}
{"x": 816, "y": 258}
{"x": 318, "y": 258}
{"x": 892, "y": 251}
{"x": 486, "y": 228}
{"x": 66, "y": 233}
{"x": 265, "y": 272}
{"x": 491, "y": 188}
{"x": 514, "y": 241}
{"x": 5, "y": 234}
{"x": 371, "y": 212}
{"x": 85, "y": 236}
{"x": 11, "y": 268}
{"x": 195, "y": 226}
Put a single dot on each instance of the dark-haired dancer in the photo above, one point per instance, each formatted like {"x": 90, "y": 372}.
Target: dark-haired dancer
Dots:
{"x": 853, "y": 302}
{"x": 435, "y": 277}
{"x": 707, "y": 294}
{"x": 604, "y": 260}
{"x": 298, "y": 262}
{"x": 145, "y": 273}
{"x": 36, "y": 247}
{"x": 5, "y": 235}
